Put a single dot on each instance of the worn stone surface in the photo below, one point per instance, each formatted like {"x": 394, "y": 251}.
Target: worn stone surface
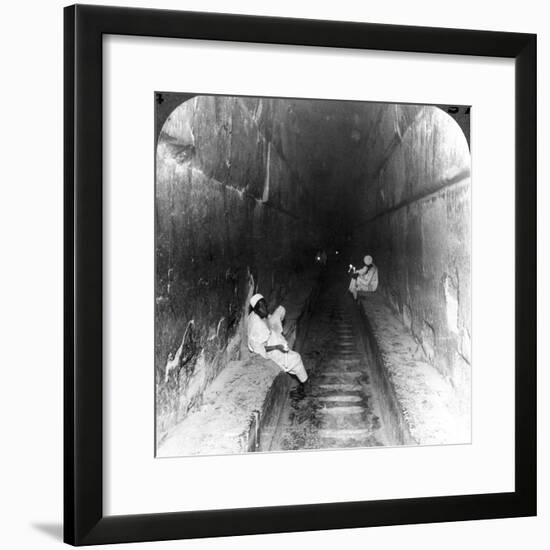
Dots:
{"x": 221, "y": 424}
{"x": 218, "y": 240}
{"x": 415, "y": 214}
{"x": 339, "y": 407}
{"x": 244, "y": 402}
{"x": 426, "y": 402}
{"x": 248, "y": 188}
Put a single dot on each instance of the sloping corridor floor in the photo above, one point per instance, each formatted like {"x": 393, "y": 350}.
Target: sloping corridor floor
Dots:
{"x": 339, "y": 407}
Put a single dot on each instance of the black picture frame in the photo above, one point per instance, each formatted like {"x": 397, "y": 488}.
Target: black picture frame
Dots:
{"x": 84, "y": 27}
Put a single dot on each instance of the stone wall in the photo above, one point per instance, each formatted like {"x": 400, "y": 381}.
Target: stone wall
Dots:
{"x": 414, "y": 219}
{"x": 232, "y": 218}
{"x": 248, "y": 188}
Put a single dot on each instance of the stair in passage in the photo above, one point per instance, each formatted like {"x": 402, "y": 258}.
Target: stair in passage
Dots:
{"x": 359, "y": 437}
{"x": 349, "y": 373}
{"x": 345, "y": 434}
{"x": 340, "y": 387}
{"x": 346, "y": 416}
{"x": 340, "y": 398}
{"x": 338, "y": 401}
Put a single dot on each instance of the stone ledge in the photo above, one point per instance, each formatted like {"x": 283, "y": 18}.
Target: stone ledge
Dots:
{"x": 423, "y": 400}
{"x": 227, "y": 420}
{"x": 243, "y": 403}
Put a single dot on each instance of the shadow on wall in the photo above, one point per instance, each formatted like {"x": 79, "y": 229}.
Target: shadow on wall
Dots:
{"x": 415, "y": 221}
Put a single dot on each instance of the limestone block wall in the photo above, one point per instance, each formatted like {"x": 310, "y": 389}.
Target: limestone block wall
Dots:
{"x": 414, "y": 219}
{"x": 231, "y": 219}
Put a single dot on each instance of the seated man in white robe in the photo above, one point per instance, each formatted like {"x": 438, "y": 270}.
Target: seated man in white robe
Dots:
{"x": 364, "y": 279}
{"x": 270, "y": 342}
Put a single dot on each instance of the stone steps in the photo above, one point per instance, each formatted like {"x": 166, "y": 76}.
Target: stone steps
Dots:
{"x": 340, "y": 387}
{"x": 340, "y": 405}
{"x": 335, "y": 370}
{"x": 343, "y": 417}
{"x": 344, "y": 409}
{"x": 339, "y": 379}
{"x": 345, "y": 361}
{"x": 353, "y": 373}
{"x": 353, "y": 433}
{"x": 338, "y": 398}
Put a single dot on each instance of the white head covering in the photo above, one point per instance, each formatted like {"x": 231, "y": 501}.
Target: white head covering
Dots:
{"x": 368, "y": 260}
{"x": 255, "y": 299}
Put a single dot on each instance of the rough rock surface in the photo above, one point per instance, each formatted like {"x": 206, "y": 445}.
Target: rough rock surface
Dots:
{"x": 244, "y": 399}
{"x": 221, "y": 424}
{"x": 426, "y": 400}
{"x": 413, "y": 217}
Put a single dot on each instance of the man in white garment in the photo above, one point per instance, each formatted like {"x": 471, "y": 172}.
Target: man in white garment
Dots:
{"x": 270, "y": 343}
{"x": 364, "y": 279}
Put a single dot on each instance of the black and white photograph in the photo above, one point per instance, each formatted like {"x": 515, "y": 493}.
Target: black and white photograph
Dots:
{"x": 274, "y": 275}
{"x": 312, "y": 274}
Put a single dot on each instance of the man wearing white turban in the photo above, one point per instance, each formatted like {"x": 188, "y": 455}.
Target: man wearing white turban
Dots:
{"x": 364, "y": 279}
{"x": 265, "y": 337}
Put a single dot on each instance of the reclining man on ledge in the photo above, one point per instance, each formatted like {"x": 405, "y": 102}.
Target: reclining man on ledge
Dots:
{"x": 265, "y": 337}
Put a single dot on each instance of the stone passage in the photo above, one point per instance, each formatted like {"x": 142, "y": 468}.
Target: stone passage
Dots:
{"x": 248, "y": 192}
{"x": 339, "y": 407}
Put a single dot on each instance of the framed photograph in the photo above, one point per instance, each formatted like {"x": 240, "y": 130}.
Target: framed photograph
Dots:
{"x": 300, "y": 275}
